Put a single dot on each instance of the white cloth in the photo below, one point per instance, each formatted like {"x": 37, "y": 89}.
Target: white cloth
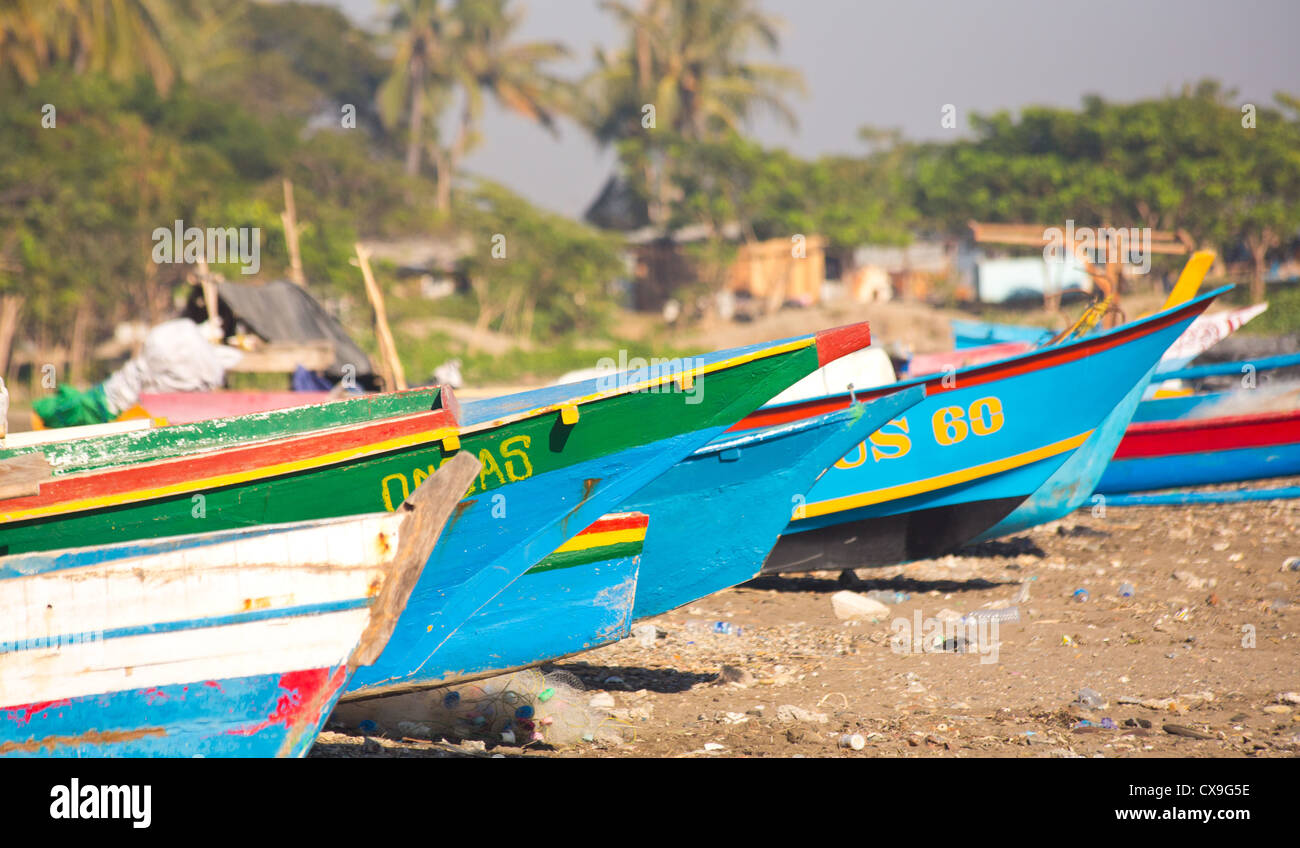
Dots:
{"x": 176, "y": 357}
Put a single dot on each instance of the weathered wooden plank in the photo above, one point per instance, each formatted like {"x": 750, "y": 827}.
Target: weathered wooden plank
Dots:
{"x": 21, "y": 476}
{"x": 425, "y": 513}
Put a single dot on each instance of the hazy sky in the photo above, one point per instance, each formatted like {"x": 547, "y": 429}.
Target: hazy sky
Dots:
{"x": 896, "y": 63}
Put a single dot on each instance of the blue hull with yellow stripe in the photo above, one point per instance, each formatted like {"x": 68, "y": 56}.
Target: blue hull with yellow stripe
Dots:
{"x": 522, "y": 516}
{"x": 1007, "y": 443}
{"x": 578, "y": 598}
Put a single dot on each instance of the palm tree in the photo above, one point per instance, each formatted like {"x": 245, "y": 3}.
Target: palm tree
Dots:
{"x": 690, "y": 60}
{"x": 120, "y": 38}
{"x": 448, "y": 54}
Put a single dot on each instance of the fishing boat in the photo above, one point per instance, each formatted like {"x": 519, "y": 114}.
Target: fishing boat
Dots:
{"x": 230, "y": 643}
{"x": 1220, "y": 437}
{"x": 982, "y": 442}
{"x": 553, "y": 461}
{"x": 667, "y": 411}
{"x": 712, "y": 518}
{"x": 578, "y": 597}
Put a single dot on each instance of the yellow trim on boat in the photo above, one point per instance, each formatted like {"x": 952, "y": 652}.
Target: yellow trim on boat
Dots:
{"x": 220, "y": 480}
{"x": 952, "y": 478}
{"x": 675, "y": 377}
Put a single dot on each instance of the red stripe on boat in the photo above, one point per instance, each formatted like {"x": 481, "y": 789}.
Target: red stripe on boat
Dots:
{"x": 124, "y": 479}
{"x": 1171, "y": 438}
{"x": 1042, "y": 360}
{"x": 841, "y": 341}
{"x": 630, "y": 521}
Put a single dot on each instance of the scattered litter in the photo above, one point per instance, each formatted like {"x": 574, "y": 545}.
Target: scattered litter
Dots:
{"x": 714, "y": 746}
{"x": 725, "y": 628}
{"x": 1127, "y": 590}
{"x": 1090, "y": 699}
{"x": 603, "y": 700}
{"x": 1291, "y": 564}
{"x": 888, "y": 596}
{"x": 853, "y": 740}
{"x": 1081, "y": 596}
{"x": 1005, "y": 614}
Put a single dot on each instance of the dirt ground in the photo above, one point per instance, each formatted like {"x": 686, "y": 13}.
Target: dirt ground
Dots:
{"x": 1202, "y": 660}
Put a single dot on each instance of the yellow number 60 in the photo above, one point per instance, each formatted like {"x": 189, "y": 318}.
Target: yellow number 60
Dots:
{"x": 949, "y": 425}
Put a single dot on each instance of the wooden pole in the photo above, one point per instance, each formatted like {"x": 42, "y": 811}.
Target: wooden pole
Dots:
{"x": 10, "y": 306}
{"x": 290, "y": 219}
{"x": 209, "y": 292}
{"x": 394, "y": 376}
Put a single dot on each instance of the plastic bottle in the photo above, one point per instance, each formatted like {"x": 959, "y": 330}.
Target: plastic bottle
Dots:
{"x": 725, "y": 628}
{"x": 1081, "y": 596}
{"x": 1005, "y": 614}
{"x": 888, "y": 596}
{"x": 1127, "y": 590}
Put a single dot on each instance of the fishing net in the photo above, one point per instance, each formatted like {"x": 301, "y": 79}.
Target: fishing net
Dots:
{"x": 524, "y": 707}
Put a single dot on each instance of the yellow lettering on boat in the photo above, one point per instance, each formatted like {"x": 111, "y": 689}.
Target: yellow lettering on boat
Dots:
{"x": 388, "y": 495}
{"x": 489, "y": 467}
{"x": 986, "y": 416}
{"x": 949, "y": 425}
{"x": 845, "y": 462}
{"x": 508, "y": 453}
{"x": 900, "y": 444}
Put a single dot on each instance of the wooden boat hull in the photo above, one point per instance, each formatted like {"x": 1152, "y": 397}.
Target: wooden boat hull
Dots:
{"x": 1169, "y": 454}
{"x": 716, "y": 515}
{"x": 233, "y": 643}
{"x": 982, "y": 442}
{"x": 1073, "y": 484}
{"x": 515, "y": 519}
{"x": 578, "y": 598}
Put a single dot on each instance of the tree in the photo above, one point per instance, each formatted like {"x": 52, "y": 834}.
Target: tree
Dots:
{"x": 119, "y": 38}
{"x": 689, "y": 62}
{"x": 451, "y": 55}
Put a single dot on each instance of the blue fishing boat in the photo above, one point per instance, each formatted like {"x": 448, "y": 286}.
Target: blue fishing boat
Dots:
{"x": 718, "y": 514}
{"x": 234, "y": 643}
{"x": 578, "y": 598}
{"x": 1251, "y": 433}
{"x": 985, "y": 439}
{"x": 528, "y": 502}
{"x": 720, "y": 510}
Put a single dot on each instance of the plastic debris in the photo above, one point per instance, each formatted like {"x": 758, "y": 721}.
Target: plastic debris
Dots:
{"x": 1127, "y": 590}
{"x": 1005, "y": 614}
{"x": 1089, "y": 699}
{"x": 725, "y": 628}
{"x": 1291, "y": 564}
{"x": 853, "y": 740}
{"x": 1081, "y": 596}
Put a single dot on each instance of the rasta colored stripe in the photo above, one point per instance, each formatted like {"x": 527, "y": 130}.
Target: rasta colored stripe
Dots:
{"x": 612, "y": 537}
{"x": 132, "y": 484}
